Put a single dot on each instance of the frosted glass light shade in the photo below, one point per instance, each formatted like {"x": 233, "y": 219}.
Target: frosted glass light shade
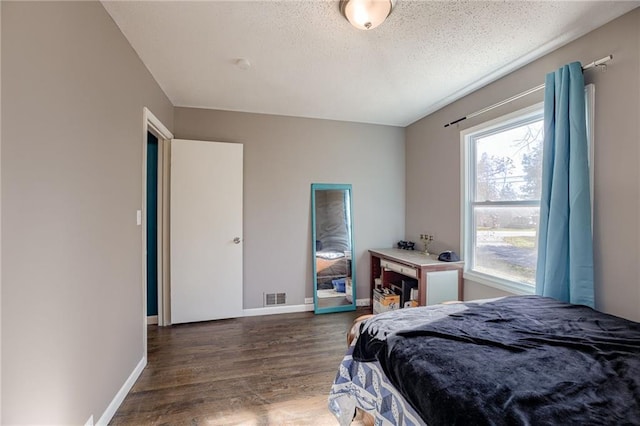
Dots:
{"x": 366, "y": 14}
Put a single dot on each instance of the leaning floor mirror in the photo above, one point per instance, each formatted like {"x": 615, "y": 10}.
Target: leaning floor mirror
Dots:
{"x": 332, "y": 247}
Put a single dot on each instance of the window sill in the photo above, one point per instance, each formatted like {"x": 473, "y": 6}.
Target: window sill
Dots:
{"x": 500, "y": 284}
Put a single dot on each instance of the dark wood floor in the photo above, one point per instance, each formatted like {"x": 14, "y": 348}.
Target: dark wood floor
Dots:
{"x": 268, "y": 370}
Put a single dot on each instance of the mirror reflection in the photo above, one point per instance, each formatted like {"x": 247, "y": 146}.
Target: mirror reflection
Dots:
{"x": 332, "y": 248}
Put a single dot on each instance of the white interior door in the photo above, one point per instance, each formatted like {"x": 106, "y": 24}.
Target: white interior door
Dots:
{"x": 206, "y": 230}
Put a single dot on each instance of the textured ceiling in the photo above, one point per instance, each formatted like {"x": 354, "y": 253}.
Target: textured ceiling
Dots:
{"x": 308, "y": 61}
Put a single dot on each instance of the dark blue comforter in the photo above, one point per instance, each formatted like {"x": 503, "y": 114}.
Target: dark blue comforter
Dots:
{"x": 514, "y": 361}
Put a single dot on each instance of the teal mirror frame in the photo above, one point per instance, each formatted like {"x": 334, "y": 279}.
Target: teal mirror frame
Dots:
{"x": 314, "y": 238}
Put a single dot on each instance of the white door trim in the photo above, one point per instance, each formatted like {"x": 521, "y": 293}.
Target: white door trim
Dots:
{"x": 150, "y": 123}
{"x": 164, "y": 281}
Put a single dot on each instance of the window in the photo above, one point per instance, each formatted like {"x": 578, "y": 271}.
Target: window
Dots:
{"x": 502, "y": 165}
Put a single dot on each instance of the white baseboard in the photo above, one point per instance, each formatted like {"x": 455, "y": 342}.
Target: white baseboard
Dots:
{"x": 285, "y": 309}
{"x": 152, "y": 320}
{"x": 289, "y": 309}
{"x": 122, "y": 393}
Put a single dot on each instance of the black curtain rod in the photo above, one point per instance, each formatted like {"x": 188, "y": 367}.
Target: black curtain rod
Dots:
{"x": 599, "y": 63}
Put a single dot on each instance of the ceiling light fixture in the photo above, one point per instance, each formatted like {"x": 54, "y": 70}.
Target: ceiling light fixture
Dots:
{"x": 366, "y": 14}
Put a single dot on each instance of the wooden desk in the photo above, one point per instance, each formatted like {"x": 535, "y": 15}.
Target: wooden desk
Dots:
{"x": 392, "y": 264}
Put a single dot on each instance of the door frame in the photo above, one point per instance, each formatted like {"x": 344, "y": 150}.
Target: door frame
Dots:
{"x": 151, "y": 124}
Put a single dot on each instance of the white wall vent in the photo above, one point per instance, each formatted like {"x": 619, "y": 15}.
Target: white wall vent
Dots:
{"x": 273, "y": 299}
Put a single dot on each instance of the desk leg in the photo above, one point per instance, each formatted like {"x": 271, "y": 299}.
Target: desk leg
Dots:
{"x": 422, "y": 287}
{"x": 375, "y": 273}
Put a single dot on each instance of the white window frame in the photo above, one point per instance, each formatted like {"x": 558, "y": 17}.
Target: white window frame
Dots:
{"x": 467, "y": 179}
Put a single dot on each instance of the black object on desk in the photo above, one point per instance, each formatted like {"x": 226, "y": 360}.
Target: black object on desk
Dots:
{"x": 449, "y": 256}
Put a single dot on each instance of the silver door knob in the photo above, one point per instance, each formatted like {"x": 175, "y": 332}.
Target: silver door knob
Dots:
{"x": 236, "y": 240}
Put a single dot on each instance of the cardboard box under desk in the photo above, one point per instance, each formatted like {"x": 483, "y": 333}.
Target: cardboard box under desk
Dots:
{"x": 383, "y": 302}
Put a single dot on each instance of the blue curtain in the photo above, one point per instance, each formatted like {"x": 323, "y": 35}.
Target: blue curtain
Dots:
{"x": 565, "y": 245}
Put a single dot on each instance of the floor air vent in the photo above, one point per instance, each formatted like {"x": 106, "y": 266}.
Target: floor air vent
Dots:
{"x": 272, "y": 299}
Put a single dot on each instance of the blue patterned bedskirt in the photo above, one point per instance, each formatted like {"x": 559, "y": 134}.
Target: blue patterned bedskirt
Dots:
{"x": 363, "y": 385}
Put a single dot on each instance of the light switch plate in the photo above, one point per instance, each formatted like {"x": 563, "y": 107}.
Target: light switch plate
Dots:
{"x": 138, "y": 217}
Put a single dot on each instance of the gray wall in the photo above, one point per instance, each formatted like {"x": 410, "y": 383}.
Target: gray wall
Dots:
{"x": 72, "y": 101}
{"x": 282, "y": 157}
{"x": 433, "y": 160}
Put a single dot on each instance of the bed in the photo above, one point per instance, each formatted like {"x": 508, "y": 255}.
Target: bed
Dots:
{"x": 508, "y": 361}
